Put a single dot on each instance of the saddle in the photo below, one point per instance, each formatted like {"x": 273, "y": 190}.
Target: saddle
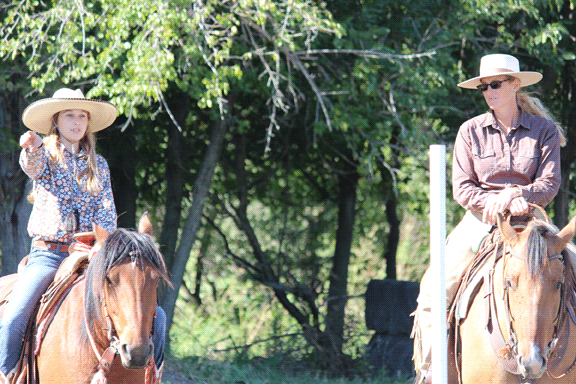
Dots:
{"x": 70, "y": 272}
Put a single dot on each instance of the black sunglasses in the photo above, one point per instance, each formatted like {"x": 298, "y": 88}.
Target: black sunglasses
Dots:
{"x": 495, "y": 84}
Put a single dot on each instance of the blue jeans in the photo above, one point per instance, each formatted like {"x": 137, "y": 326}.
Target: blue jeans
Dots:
{"x": 33, "y": 281}
{"x": 31, "y": 285}
{"x": 159, "y": 336}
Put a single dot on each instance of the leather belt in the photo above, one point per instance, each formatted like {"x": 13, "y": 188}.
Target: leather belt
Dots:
{"x": 52, "y": 245}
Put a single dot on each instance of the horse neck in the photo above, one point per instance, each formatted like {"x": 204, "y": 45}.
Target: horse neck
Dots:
{"x": 94, "y": 318}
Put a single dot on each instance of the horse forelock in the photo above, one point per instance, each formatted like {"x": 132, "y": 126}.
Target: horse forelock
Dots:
{"x": 121, "y": 245}
{"x": 536, "y": 246}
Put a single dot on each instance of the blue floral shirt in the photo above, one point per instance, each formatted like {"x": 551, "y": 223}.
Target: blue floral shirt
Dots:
{"x": 56, "y": 194}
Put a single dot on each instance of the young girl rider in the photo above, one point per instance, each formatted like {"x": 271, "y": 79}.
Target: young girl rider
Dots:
{"x": 72, "y": 190}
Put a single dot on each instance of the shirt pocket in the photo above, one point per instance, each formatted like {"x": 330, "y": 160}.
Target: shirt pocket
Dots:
{"x": 484, "y": 162}
{"x": 527, "y": 161}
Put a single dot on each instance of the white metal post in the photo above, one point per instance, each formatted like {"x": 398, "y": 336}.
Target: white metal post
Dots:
{"x": 437, "y": 242}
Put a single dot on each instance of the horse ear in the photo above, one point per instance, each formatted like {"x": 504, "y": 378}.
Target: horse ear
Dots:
{"x": 144, "y": 225}
{"x": 101, "y": 233}
{"x": 564, "y": 236}
{"x": 506, "y": 230}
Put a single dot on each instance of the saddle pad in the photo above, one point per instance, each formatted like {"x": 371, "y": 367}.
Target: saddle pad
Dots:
{"x": 470, "y": 291}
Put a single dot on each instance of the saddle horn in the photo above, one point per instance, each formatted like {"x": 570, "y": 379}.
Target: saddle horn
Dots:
{"x": 507, "y": 230}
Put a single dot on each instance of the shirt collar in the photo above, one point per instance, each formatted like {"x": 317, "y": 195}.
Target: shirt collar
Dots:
{"x": 490, "y": 120}
{"x": 81, "y": 154}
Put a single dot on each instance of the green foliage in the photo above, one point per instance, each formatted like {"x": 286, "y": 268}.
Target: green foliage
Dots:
{"x": 132, "y": 50}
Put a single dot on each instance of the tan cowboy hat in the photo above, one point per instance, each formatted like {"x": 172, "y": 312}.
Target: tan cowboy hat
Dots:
{"x": 38, "y": 115}
{"x": 499, "y": 64}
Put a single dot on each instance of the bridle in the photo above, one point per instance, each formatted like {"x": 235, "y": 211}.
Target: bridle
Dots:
{"x": 512, "y": 342}
{"x": 107, "y": 357}
{"x": 561, "y": 312}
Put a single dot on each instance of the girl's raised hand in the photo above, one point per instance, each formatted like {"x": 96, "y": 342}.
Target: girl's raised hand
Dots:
{"x": 30, "y": 140}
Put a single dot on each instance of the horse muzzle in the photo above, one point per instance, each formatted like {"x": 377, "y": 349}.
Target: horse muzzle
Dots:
{"x": 533, "y": 366}
{"x": 136, "y": 357}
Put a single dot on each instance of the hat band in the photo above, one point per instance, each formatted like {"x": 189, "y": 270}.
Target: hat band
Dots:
{"x": 493, "y": 71}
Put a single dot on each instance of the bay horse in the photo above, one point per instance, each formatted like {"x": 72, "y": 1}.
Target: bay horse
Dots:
{"x": 109, "y": 311}
{"x": 520, "y": 326}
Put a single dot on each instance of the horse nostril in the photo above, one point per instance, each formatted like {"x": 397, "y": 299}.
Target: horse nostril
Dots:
{"x": 125, "y": 351}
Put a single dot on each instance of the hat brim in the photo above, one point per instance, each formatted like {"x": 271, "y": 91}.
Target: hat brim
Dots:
{"x": 38, "y": 115}
{"x": 526, "y": 78}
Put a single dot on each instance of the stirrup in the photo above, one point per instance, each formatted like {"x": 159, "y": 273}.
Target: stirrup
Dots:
{"x": 159, "y": 373}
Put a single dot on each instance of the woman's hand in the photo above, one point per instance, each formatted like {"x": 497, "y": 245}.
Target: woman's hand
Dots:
{"x": 508, "y": 199}
{"x": 30, "y": 140}
{"x": 519, "y": 206}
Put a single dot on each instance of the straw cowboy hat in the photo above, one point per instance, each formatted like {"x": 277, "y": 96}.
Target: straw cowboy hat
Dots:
{"x": 499, "y": 64}
{"x": 38, "y": 115}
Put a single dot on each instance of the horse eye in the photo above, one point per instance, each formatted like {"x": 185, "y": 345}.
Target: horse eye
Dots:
{"x": 509, "y": 284}
{"x": 558, "y": 285}
{"x": 109, "y": 282}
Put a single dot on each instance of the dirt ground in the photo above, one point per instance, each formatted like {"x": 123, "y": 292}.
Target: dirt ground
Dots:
{"x": 171, "y": 375}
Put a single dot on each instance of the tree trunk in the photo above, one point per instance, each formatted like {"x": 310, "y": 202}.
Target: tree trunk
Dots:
{"x": 393, "y": 237}
{"x": 391, "y": 204}
{"x": 14, "y": 187}
{"x": 119, "y": 150}
{"x": 194, "y": 216}
{"x": 174, "y": 180}
{"x": 337, "y": 291}
{"x": 568, "y": 155}
{"x": 14, "y": 216}
{"x": 122, "y": 173}
{"x": 562, "y": 199}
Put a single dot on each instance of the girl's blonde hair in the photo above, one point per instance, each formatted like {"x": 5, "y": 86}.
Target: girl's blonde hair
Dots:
{"x": 88, "y": 144}
{"x": 533, "y": 105}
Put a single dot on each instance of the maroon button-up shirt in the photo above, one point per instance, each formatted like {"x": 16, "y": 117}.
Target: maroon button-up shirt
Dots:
{"x": 486, "y": 160}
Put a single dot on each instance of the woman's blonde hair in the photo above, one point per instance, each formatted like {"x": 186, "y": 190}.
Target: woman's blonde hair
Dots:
{"x": 533, "y": 105}
{"x": 88, "y": 144}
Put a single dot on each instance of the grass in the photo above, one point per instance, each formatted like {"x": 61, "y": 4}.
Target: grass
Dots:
{"x": 239, "y": 329}
{"x": 194, "y": 370}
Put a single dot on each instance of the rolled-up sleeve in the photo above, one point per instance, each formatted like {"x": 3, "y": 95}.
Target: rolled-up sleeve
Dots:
{"x": 33, "y": 163}
{"x": 548, "y": 176}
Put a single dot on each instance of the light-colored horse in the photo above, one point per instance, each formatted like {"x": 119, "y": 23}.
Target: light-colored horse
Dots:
{"x": 519, "y": 328}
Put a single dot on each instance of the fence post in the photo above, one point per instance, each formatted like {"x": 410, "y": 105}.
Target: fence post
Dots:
{"x": 437, "y": 242}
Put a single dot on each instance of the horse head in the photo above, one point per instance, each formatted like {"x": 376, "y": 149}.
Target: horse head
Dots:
{"x": 532, "y": 284}
{"x": 121, "y": 293}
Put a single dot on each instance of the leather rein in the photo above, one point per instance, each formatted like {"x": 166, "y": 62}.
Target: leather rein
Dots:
{"x": 107, "y": 357}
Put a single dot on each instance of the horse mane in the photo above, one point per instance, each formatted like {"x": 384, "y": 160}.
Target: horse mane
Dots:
{"x": 120, "y": 245}
{"x": 536, "y": 246}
